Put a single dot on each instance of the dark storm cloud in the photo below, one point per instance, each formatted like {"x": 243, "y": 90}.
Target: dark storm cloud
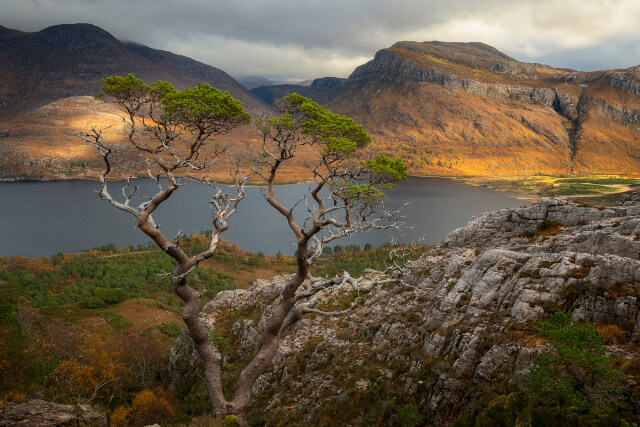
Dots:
{"x": 330, "y": 37}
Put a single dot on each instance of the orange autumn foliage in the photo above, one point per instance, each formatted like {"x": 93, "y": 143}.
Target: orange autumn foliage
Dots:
{"x": 119, "y": 417}
{"x": 150, "y": 407}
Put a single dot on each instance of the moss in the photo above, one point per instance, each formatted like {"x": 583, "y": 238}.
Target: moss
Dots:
{"x": 339, "y": 301}
{"x": 547, "y": 264}
{"x": 533, "y": 274}
{"x": 464, "y": 300}
{"x": 579, "y": 289}
{"x": 579, "y": 273}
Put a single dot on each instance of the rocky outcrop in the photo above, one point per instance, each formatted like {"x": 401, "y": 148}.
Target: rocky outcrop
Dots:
{"x": 625, "y": 80}
{"x": 37, "y": 413}
{"x": 461, "y": 323}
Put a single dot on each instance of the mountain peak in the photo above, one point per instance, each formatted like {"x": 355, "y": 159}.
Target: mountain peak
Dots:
{"x": 75, "y": 36}
{"x": 437, "y": 60}
{"x": 472, "y": 53}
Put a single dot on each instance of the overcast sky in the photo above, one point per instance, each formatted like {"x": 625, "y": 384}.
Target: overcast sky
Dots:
{"x": 297, "y": 40}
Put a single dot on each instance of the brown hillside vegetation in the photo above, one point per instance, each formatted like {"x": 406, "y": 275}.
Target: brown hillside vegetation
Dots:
{"x": 44, "y": 143}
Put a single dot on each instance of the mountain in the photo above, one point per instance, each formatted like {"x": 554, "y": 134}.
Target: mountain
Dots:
{"x": 43, "y": 144}
{"x": 69, "y": 60}
{"x": 47, "y": 80}
{"x": 468, "y": 109}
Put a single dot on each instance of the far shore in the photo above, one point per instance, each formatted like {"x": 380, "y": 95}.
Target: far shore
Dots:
{"x": 519, "y": 185}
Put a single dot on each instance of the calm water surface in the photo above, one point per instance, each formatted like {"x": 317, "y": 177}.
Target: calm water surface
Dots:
{"x": 44, "y": 218}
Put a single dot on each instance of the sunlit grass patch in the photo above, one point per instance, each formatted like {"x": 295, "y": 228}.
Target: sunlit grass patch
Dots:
{"x": 601, "y": 179}
{"x": 571, "y": 188}
{"x": 548, "y": 186}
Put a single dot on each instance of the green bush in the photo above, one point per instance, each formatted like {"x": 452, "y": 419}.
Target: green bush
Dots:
{"x": 96, "y": 302}
{"x": 230, "y": 420}
{"x": 410, "y": 416}
{"x": 574, "y": 371}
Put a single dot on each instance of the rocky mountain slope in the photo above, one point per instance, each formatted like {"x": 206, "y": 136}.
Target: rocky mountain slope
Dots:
{"x": 457, "y": 337}
{"x": 69, "y": 60}
{"x": 468, "y": 109}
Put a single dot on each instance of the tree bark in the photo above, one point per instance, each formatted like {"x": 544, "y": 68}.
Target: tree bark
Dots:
{"x": 269, "y": 343}
{"x": 209, "y": 354}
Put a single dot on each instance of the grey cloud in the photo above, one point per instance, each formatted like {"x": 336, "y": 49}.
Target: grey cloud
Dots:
{"x": 311, "y": 35}
{"x": 612, "y": 55}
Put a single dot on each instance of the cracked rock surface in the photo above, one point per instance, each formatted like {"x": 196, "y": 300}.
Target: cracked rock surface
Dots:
{"x": 37, "y": 413}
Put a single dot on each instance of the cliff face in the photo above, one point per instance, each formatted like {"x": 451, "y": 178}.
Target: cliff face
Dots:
{"x": 461, "y": 330}
{"x": 466, "y": 108}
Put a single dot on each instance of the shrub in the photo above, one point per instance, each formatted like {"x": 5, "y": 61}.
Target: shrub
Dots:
{"x": 230, "y": 421}
{"x": 610, "y": 333}
{"x": 149, "y": 408}
{"x": 24, "y": 361}
{"x": 119, "y": 417}
{"x": 574, "y": 371}
{"x": 96, "y": 302}
{"x": 410, "y": 416}
{"x": 548, "y": 225}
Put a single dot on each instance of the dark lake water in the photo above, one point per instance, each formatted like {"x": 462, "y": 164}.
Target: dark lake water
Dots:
{"x": 44, "y": 218}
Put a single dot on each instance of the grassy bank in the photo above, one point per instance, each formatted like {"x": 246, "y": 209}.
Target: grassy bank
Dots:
{"x": 561, "y": 186}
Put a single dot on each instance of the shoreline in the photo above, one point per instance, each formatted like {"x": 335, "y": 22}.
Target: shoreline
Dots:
{"x": 473, "y": 180}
